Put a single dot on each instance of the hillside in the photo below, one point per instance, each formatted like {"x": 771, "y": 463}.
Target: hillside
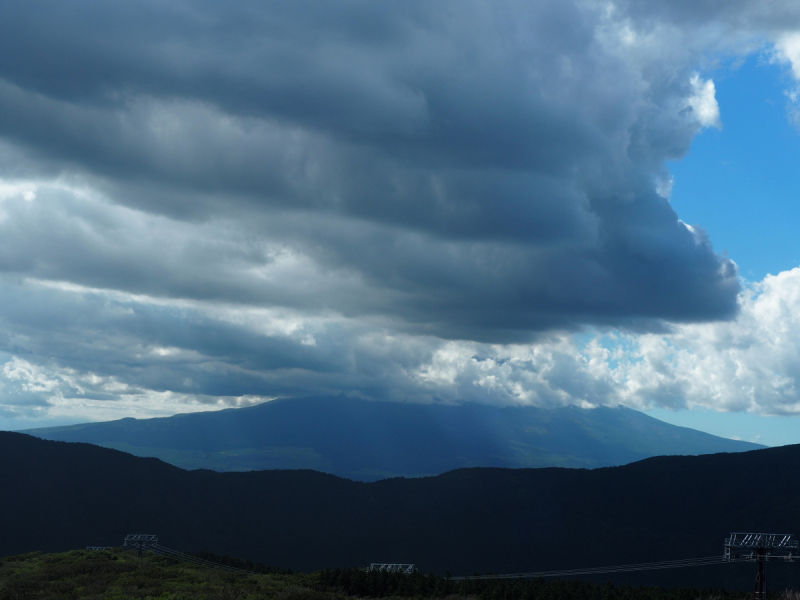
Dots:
{"x": 499, "y": 520}
{"x": 367, "y": 441}
{"x": 118, "y": 573}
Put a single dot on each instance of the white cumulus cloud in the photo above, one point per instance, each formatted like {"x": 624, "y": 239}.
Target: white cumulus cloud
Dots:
{"x": 704, "y": 102}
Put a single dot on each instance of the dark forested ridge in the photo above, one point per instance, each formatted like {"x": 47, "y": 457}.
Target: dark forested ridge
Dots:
{"x": 59, "y": 496}
{"x": 367, "y": 441}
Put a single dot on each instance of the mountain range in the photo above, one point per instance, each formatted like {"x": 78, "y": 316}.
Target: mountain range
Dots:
{"x": 367, "y": 441}
{"x": 58, "y": 496}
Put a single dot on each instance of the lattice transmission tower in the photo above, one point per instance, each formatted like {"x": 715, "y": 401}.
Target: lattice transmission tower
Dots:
{"x": 392, "y": 567}
{"x": 759, "y": 548}
{"x": 140, "y": 541}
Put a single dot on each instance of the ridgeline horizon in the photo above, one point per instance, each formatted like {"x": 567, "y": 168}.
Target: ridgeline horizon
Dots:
{"x": 464, "y": 521}
{"x": 370, "y": 440}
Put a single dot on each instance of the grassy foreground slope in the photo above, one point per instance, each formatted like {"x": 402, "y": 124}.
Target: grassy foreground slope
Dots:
{"x": 120, "y": 575}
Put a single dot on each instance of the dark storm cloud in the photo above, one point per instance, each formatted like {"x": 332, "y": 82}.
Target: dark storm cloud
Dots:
{"x": 498, "y": 161}
{"x": 742, "y": 17}
{"x": 289, "y": 198}
{"x": 432, "y": 285}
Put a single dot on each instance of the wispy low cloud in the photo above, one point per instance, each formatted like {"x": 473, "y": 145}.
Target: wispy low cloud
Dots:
{"x": 146, "y": 357}
{"x": 787, "y": 51}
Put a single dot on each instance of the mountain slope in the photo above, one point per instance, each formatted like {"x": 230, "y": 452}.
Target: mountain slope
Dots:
{"x": 58, "y": 496}
{"x": 373, "y": 440}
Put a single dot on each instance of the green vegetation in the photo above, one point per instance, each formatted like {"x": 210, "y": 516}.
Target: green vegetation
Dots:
{"x": 119, "y": 574}
{"x": 361, "y": 584}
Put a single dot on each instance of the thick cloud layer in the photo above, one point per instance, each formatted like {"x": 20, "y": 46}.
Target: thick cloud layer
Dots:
{"x": 155, "y": 357}
{"x": 204, "y": 204}
{"x": 498, "y": 161}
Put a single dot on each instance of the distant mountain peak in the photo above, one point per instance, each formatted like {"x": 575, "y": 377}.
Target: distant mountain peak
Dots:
{"x": 369, "y": 440}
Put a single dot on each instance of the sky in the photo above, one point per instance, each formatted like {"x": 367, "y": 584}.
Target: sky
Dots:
{"x": 553, "y": 203}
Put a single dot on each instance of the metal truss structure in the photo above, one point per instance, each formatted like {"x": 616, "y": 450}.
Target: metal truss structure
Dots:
{"x": 761, "y": 547}
{"x": 392, "y": 567}
{"x": 771, "y": 545}
{"x": 141, "y": 541}
{"x": 136, "y": 539}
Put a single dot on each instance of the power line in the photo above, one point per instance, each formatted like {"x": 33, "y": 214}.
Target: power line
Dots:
{"x": 673, "y": 564}
{"x": 761, "y": 546}
{"x": 188, "y": 558}
{"x": 146, "y": 541}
